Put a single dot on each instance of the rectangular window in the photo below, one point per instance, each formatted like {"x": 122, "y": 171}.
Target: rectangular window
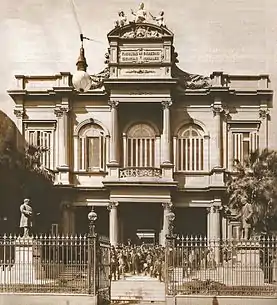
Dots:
{"x": 190, "y": 155}
{"x": 140, "y": 152}
{"x": 244, "y": 143}
{"x": 42, "y": 135}
{"x": 92, "y": 153}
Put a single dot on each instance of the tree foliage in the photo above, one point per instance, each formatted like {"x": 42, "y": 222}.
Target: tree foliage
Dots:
{"x": 21, "y": 175}
{"x": 255, "y": 180}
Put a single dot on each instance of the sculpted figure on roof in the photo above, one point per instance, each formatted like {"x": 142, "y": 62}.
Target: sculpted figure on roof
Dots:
{"x": 159, "y": 19}
{"x": 140, "y": 14}
{"x": 122, "y": 19}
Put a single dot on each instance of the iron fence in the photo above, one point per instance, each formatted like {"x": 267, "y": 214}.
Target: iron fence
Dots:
{"x": 51, "y": 264}
{"x": 196, "y": 265}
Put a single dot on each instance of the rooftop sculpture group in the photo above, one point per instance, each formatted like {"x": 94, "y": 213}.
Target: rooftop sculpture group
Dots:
{"x": 140, "y": 28}
{"x": 140, "y": 16}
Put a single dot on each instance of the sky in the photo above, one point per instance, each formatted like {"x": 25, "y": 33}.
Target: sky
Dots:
{"x": 42, "y": 36}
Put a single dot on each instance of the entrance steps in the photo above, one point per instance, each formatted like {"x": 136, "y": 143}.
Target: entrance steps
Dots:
{"x": 138, "y": 288}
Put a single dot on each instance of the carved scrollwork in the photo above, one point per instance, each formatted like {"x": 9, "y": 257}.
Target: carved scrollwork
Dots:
{"x": 142, "y": 32}
{"x": 113, "y": 103}
{"x": 264, "y": 113}
{"x": 19, "y": 113}
{"x": 60, "y": 111}
{"x": 191, "y": 81}
{"x": 112, "y": 205}
{"x": 219, "y": 108}
{"x": 97, "y": 80}
{"x": 167, "y": 205}
{"x": 166, "y": 104}
{"x": 140, "y": 71}
{"x": 140, "y": 172}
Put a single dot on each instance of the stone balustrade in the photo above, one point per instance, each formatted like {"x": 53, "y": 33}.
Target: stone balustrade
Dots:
{"x": 137, "y": 172}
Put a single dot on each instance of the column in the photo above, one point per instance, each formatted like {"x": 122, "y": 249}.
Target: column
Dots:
{"x": 224, "y": 228}
{"x": 68, "y": 219}
{"x": 214, "y": 230}
{"x": 114, "y": 132}
{"x": 113, "y": 223}
{"x": 208, "y": 223}
{"x": 166, "y": 131}
{"x": 165, "y": 231}
{"x": 218, "y": 110}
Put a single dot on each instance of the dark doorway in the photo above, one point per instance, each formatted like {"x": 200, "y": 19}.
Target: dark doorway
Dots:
{"x": 82, "y": 223}
{"x": 135, "y": 217}
{"x": 190, "y": 221}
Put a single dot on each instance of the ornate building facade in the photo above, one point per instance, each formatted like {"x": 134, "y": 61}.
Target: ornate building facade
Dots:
{"x": 146, "y": 138}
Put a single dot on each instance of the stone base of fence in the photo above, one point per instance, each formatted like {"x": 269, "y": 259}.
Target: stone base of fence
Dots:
{"x": 43, "y": 299}
{"x": 220, "y": 300}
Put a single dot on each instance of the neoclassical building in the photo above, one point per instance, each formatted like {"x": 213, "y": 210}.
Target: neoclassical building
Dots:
{"x": 145, "y": 138}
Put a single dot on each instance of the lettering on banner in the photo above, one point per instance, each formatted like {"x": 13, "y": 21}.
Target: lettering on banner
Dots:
{"x": 141, "y": 56}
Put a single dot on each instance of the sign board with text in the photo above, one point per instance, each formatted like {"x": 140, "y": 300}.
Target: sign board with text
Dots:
{"x": 141, "y": 56}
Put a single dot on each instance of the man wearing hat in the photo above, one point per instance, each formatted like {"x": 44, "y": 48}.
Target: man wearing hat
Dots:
{"x": 26, "y": 217}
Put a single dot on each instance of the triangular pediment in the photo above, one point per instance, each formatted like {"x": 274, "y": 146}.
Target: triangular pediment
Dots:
{"x": 140, "y": 31}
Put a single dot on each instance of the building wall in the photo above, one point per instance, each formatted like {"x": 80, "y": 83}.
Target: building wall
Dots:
{"x": 48, "y": 100}
{"x": 235, "y": 36}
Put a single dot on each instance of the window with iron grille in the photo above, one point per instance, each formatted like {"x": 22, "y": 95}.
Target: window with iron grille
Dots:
{"x": 42, "y": 135}
{"x": 244, "y": 143}
{"x": 190, "y": 149}
{"x": 92, "y": 148}
{"x": 140, "y": 150}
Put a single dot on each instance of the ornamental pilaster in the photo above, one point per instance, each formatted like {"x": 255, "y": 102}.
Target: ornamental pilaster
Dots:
{"x": 264, "y": 115}
{"x": 19, "y": 112}
{"x": 218, "y": 110}
{"x": 114, "y": 131}
{"x": 62, "y": 140}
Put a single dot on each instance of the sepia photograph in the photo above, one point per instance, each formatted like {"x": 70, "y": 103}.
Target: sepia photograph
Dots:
{"x": 138, "y": 152}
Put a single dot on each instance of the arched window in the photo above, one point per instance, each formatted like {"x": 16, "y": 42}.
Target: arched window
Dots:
{"x": 190, "y": 148}
{"x": 140, "y": 146}
{"x": 92, "y": 148}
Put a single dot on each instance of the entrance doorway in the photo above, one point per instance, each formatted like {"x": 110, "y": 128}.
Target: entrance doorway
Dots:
{"x": 140, "y": 222}
{"x": 190, "y": 221}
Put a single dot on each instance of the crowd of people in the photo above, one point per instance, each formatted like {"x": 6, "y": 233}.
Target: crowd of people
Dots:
{"x": 130, "y": 259}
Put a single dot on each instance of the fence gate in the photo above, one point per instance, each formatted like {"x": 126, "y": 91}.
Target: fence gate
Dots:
{"x": 104, "y": 271}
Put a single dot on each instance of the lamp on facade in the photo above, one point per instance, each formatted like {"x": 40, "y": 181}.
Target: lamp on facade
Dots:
{"x": 81, "y": 80}
{"x": 171, "y": 217}
{"x": 92, "y": 217}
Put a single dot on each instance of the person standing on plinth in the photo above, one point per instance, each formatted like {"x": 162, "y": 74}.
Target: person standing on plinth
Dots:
{"x": 245, "y": 217}
{"x": 26, "y": 219}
